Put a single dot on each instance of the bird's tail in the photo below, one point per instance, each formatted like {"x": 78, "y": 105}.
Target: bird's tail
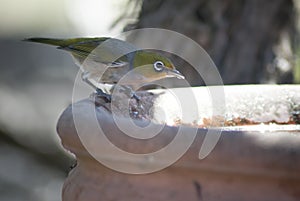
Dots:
{"x": 76, "y": 42}
{"x": 50, "y": 41}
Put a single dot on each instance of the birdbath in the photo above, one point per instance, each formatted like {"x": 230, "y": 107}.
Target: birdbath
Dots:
{"x": 244, "y": 146}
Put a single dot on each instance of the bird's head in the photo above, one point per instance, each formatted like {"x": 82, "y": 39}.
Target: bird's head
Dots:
{"x": 154, "y": 66}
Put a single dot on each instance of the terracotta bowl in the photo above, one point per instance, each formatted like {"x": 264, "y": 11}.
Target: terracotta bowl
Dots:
{"x": 246, "y": 148}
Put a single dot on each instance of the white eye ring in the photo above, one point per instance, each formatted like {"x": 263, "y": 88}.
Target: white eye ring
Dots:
{"x": 158, "y": 66}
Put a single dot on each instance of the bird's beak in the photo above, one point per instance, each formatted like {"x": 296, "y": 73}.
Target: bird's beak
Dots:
{"x": 174, "y": 73}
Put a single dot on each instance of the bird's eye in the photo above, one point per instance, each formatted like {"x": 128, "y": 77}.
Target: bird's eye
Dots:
{"x": 158, "y": 66}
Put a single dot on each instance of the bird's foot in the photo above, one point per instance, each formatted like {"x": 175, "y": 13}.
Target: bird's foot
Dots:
{"x": 136, "y": 97}
{"x": 101, "y": 99}
{"x": 101, "y": 94}
{"x": 137, "y": 108}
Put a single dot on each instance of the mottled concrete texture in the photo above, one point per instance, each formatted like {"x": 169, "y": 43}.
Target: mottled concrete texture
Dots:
{"x": 249, "y": 163}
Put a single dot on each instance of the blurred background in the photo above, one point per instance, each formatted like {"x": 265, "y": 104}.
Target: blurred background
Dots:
{"x": 250, "y": 41}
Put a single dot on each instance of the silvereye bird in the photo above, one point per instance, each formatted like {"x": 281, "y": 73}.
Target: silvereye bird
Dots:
{"x": 107, "y": 60}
